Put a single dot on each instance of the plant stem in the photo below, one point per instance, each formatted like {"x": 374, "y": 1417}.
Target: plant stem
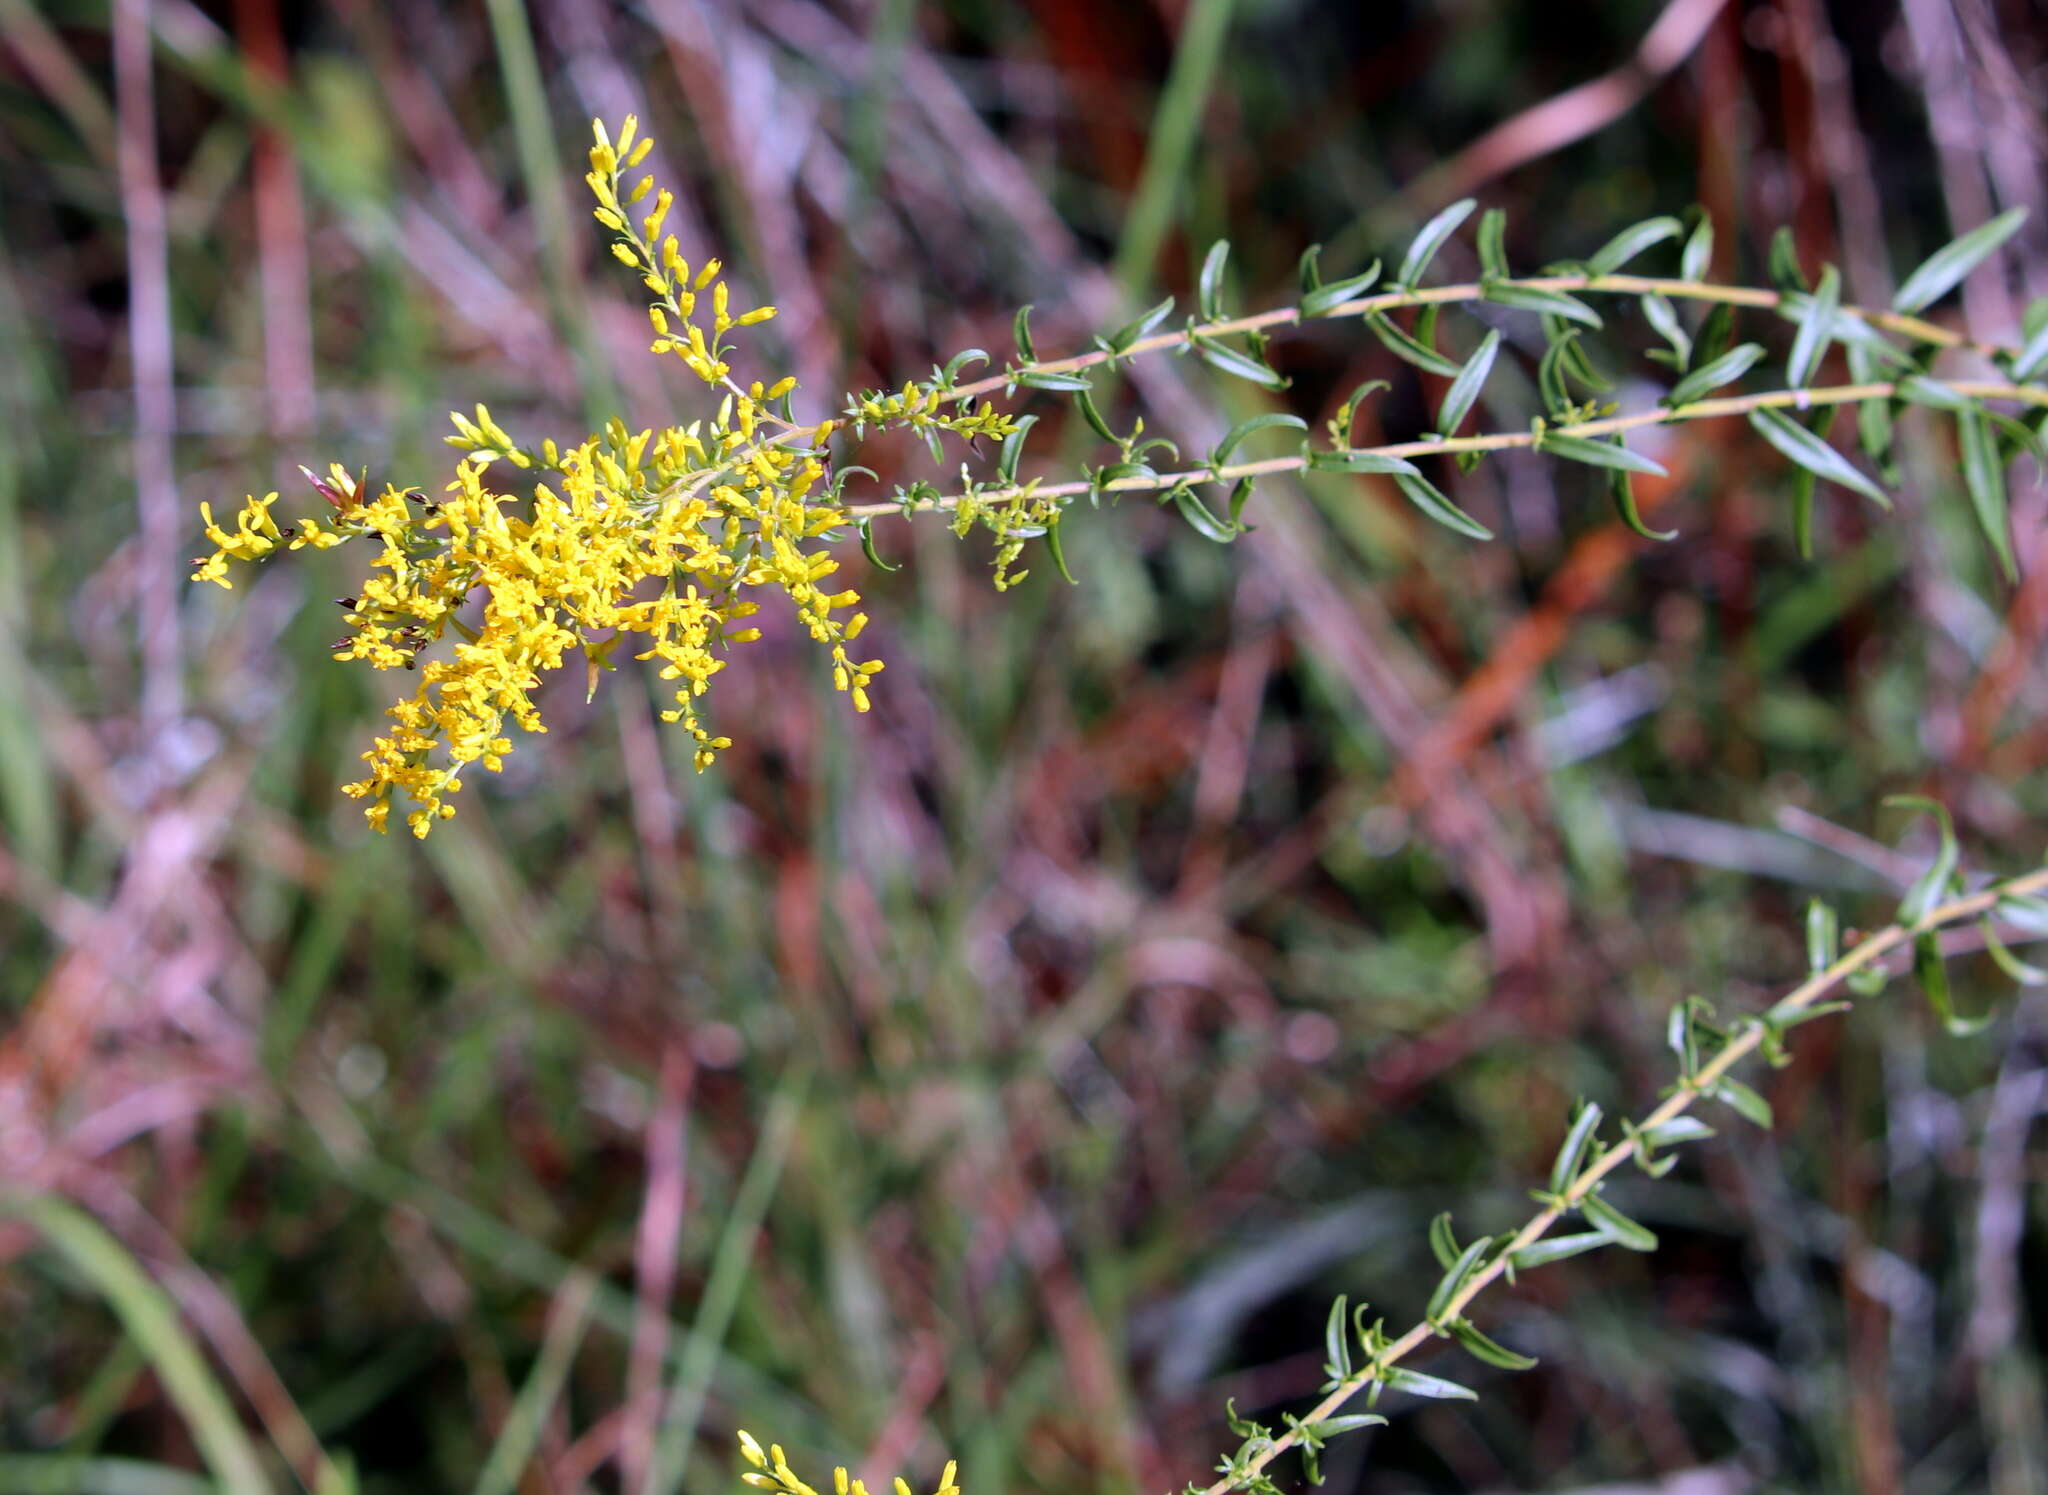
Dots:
{"x": 1798, "y": 399}
{"x": 1806, "y": 995}
{"x": 1917, "y": 328}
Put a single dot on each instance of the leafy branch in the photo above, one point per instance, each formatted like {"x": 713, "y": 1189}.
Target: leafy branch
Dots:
{"x": 1708, "y": 1053}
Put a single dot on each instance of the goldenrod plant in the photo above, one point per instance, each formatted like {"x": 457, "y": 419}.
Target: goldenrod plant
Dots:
{"x": 670, "y": 537}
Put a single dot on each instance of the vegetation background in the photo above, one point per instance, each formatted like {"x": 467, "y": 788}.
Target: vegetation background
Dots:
{"x": 1018, "y": 1071}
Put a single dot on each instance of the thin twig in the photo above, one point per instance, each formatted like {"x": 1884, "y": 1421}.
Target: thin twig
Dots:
{"x": 1806, "y": 995}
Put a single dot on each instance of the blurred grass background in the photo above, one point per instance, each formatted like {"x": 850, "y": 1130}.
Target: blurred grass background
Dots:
{"x": 1017, "y": 1072}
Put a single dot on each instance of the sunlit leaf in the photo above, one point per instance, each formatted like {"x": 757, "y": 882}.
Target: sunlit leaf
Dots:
{"x": 1944, "y": 268}
{"x": 1431, "y": 239}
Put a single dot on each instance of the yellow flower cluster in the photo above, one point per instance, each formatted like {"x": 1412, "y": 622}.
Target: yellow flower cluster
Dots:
{"x": 664, "y": 536}
{"x": 771, "y": 1472}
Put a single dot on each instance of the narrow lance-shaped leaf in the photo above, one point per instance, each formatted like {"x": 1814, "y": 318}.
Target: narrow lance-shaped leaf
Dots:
{"x": 1020, "y": 329}
{"x": 1931, "y": 971}
{"x": 1120, "y": 341}
{"x": 1816, "y": 328}
{"x": 1631, "y": 242}
{"x": 1540, "y": 299}
{"x": 1427, "y": 497}
{"x": 1984, "y": 478}
{"x": 1492, "y": 243}
{"x": 1932, "y": 885}
{"x": 1873, "y": 417}
{"x": 1565, "y": 1168}
{"x": 1244, "y": 428}
{"x": 1415, "y": 1383}
{"x": 1599, "y": 454}
{"x": 1618, "y": 1227}
{"x": 1239, "y": 365}
{"x": 1013, "y": 447}
{"x": 1404, "y": 347}
{"x": 1677, "y": 1129}
{"x": 1943, "y": 269}
{"x": 1209, "y": 285}
{"x": 1465, "y": 388}
{"x": 1084, "y": 401}
{"x": 1197, "y": 514}
{"x": 1663, "y": 320}
{"x": 2015, "y": 968}
{"x": 1486, "y": 1350}
{"x": 1823, "y": 936}
{"x": 1745, "y": 1102}
{"x": 1325, "y": 299}
{"x": 1698, "y": 255}
{"x": 1337, "y": 1341}
{"x": 1431, "y": 239}
{"x": 2033, "y": 357}
{"x": 1454, "y": 1278}
{"x": 1558, "y": 1247}
{"x": 1058, "y": 550}
{"x": 1709, "y": 377}
{"x": 1621, "y": 488}
{"x": 1814, "y": 454}
{"x": 1443, "y": 1245}
{"x": 1784, "y": 261}
{"x": 867, "y": 545}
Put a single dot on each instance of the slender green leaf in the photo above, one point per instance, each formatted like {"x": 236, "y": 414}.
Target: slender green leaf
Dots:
{"x": 1013, "y": 447}
{"x": 1197, "y": 514}
{"x": 1918, "y": 389}
{"x": 1443, "y": 1244}
{"x": 1784, "y": 261}
{"x": 1084, "y": 401}
{"x": 1618, "y": 1227}
{"x": 1465, "y": 388}
{"x": 1558, "y": 1247}
{"x": 1599, "y": 454}
{"x": 1631, "y": 242}
{"x": 1209, "y": 285}
{"x": 1337, "y": 1341}
{"x": 2017, "y": 969}
{"x": 1402, "y": 346}
{"x": 1933, "y": 884}
{"x": 1944, "y": 268}
{"x": 1709, "y": 377}
{"x": 1814, "y": 454}
{"x": 1486, "y": 1350}
{"x": 1324, "y": 300}
{"x": 1697, "y": 258}
{"x": 1059, "y": 383}
{"x": 1359, "y": 459}
{"x": 1540, "y": 298}
{"x": 1426, "y": 497}
{"x": 1020, "y": 329}
{"x": 1744, "y": 1101}
{"x": 1244, "y": 428}
{"x": 1663, "y": 320}
{"x": 1492, "y": 242}
{"x": 1823, "y": 936}
{"x": 1621, "y": 489}
{"x": 867, "y": 546}
{"x": 1816, "y": 329}
{"x": 1120, "y": 341}
{"x": 2033, "y": 357}
{"x": 1431, "y": 239}
{"x": 1564, "y": 1170}
{"x": 1931, "y": 971}
{"x": 1415, "y": 1383}
{"x": 1310, "y": 271}
{"x": 1239, "y": 365}
{"x": 1350, "y": 1422}
{"x": 1677, "y": 1129}
{"x": 1454, "y": 1277}
{"x": 1984, "y": 478}
{"x": 1057, "y": 549}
